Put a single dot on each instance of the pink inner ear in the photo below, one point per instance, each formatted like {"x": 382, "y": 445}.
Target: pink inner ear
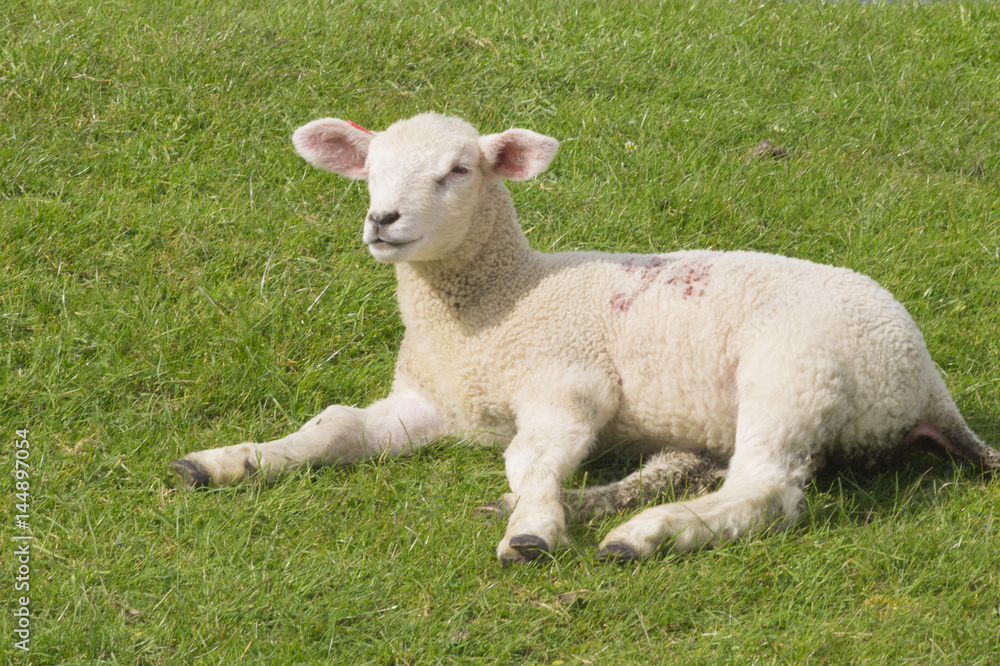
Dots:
{"x": 336, "y": 145}
{"x": 512, "y": 159}
{"x": 518, "y": 154}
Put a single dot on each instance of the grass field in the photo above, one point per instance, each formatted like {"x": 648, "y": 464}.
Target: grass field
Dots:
{"x": 176, "y": 278}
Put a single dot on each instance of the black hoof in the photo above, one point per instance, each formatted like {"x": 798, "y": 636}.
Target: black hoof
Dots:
{"x": 517, "y": 558}
{"x": 496, "y": 510}
{"x": 618, "y": 552}
{"x": 528, "y": 547}
{"x": 192, "y": 474}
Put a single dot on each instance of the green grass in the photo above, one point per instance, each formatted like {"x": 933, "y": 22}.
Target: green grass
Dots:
{"x": 176, "y": 278}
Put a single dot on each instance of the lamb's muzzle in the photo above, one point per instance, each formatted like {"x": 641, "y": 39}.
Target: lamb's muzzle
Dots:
{"x": 383, "y": 219}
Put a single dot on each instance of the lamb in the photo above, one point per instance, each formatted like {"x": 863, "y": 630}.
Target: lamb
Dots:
{"x": 750, "y": 369}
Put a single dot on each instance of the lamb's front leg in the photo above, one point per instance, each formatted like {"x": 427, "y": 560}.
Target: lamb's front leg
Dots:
{"x": 397, "y": 425}
{"x": 551, "y": 440}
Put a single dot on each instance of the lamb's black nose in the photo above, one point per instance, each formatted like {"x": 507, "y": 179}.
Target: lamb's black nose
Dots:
{"x": 383, "y": 219}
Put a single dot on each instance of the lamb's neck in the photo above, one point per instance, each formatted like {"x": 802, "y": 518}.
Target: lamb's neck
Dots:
{"x": 480, "y": 278}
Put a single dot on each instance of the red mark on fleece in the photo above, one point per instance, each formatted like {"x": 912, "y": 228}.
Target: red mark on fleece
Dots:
{"x": 357, "y": 126}
{"x": 690, "y": 278}
{"x": 621, "y": 303}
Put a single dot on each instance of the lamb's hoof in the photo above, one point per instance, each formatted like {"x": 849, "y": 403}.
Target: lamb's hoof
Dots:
{"x": 496, "y": 510}
{"x": 618, "y": 552}
{"x": 524, "y": 548}
{"x": 191, "y": 473}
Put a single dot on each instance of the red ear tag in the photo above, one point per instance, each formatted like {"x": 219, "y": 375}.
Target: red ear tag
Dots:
{"x": 357, "y": 126}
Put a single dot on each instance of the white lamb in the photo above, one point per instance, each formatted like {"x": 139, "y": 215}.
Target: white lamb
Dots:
{"x": 751, "y": 367}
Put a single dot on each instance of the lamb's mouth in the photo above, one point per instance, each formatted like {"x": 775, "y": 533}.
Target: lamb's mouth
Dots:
{"x": 381, "y": 243}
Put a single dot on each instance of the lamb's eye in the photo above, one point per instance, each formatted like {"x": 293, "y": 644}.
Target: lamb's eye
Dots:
{"x": 457, "y": 169}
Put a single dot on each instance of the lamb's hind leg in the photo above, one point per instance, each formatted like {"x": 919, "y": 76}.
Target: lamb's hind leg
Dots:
{"x": 397, "y": 425}
{"x": 776, "y": 435}
{"x": 666, "y": 474}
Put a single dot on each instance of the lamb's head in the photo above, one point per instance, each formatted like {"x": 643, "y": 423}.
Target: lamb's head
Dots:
{"x": 425, "y": 175}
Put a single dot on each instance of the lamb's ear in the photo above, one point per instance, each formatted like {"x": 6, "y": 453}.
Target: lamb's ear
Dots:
{"x": 336, "y": 145}
{"x": 518, "y": 154}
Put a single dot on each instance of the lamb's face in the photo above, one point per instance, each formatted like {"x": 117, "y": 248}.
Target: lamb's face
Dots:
{"x": 425, "y": 180}
{"x": 425, "y": 176}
